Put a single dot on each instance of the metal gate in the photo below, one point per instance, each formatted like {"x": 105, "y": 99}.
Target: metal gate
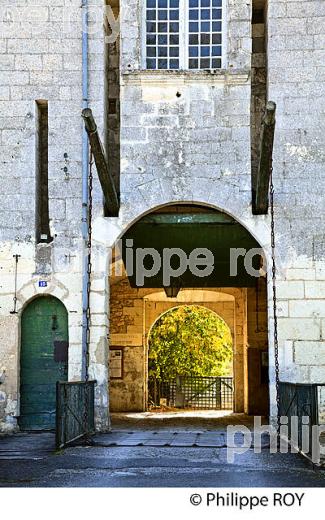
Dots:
{"x": 299, "y": 402}
{"x": 198, "y": 393}
{"x": 74, "y": 411}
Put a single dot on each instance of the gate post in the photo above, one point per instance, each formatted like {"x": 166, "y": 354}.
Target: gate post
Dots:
{"x": 179, "y": 395}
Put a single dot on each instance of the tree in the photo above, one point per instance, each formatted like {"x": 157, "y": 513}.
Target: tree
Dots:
{"x": 189, "y": 341}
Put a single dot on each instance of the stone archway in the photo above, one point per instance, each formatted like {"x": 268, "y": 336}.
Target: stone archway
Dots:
{"x": 221, "y": 303}
{"x": 129, "y": 307}
{"x": 213, "y": 309}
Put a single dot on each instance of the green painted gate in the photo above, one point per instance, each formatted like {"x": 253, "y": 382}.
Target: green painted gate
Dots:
{"x": 43, "y": 362}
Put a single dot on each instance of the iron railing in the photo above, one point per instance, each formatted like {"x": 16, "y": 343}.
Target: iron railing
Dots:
{"x": 301, "y": 404}
{"x": 74, "y": 411}
{"x": 205, "y": 393}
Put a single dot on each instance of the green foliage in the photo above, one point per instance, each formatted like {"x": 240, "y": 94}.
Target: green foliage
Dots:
{"x": 190, "y": 341}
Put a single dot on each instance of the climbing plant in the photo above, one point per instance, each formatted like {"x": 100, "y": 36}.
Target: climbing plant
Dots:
{"x": 189, "y": 341}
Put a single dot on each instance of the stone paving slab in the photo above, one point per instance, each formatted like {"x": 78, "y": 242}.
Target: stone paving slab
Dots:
{"x": 39, "y": 446}
{"x": 167, "y": 438}
{"x": 185, "y": 439}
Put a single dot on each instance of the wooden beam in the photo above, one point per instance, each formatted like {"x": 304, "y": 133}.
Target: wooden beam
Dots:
{"x": 261, "y": 202}
{"x": 105, "y": 177}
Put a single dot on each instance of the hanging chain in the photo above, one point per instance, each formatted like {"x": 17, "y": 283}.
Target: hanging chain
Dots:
{"x": 89, "y": 264}
{"x": 257, "y": 304}
{"x": 89, "y": 271}
{"x": 275, "y": 314}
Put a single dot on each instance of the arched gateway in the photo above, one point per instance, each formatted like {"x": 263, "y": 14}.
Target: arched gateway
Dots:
{"x": 186, "y": 254}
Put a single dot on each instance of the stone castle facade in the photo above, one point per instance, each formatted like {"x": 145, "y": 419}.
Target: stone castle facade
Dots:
{"x": 171, "y": 136}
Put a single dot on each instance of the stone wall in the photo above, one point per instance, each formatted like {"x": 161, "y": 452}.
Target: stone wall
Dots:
{"x": 185, "y": 135}
{"x": 296, "y": 55}
{"x": 40, "y": 58}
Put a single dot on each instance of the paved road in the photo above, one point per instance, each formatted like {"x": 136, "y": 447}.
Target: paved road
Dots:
{"x": 28, "y": 461}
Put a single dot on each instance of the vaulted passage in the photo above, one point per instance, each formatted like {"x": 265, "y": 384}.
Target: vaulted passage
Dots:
{"x": 188, "y": 230}
{"x": 43, "y": 361}
{"x": 152, "y": 274}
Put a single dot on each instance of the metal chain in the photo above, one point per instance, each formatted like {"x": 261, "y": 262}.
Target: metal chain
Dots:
{"x": 89, "y": 263}
{"x": 275, "y": 314}
{"x": 257, "y": 304}
{"x": 88, "y": 314}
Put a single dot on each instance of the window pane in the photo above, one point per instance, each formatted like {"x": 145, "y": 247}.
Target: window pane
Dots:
{"x": 216, "y": 27}
{"x": 162, "y": 64}
{"x": 216, "y": 63}
{"x": 205, "y": 34}
{"x": 216, "y": 14}
{"x": 194, "y": 39}
{"x": 174, "y": 39}
{"x": 194, "y": 27}
{"x": 205, "y": 39}
{"x": 162, "y": 51}
{"x": 163, "y": 27}
{"x": 162, "y": 14}
{"x": 151, "y": 52}
{"x": 194, "y": 64}
{"x": 151, "y": 27}
{"x": 174, "y": 27}
{"x": 174, "y": 52}
{"x": 205, "y": 14}
{"x": 174, "y": 64}
{"x": 151, "y": 15}
{"x": 151, "y": 64}
{"x": 152, "y": 39}
{"x": 162, "y": 41}
{"x": 194, "y": 14}
{"x": 194, "y": 52}
{"x": 216, "y": 51}
{"x": 216, "y": 38}
{"x": 205, "y": 26}
{"x": 205, "y": 63}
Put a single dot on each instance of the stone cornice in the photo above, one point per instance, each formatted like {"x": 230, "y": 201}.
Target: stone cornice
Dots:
{"x": 233, "y": 77}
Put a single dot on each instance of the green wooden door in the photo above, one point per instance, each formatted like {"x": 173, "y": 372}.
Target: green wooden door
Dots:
{"x": 43, "y": 362}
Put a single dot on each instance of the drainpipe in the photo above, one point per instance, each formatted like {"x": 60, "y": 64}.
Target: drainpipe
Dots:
{"x": 85, "y": 159}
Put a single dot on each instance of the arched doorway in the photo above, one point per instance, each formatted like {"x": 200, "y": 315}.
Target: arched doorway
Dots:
{"x": 190, "y": 360}
{"x": 43, "y": 361}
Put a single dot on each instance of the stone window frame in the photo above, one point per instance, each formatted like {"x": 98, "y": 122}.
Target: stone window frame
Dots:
{"x": 184, "y": 40}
